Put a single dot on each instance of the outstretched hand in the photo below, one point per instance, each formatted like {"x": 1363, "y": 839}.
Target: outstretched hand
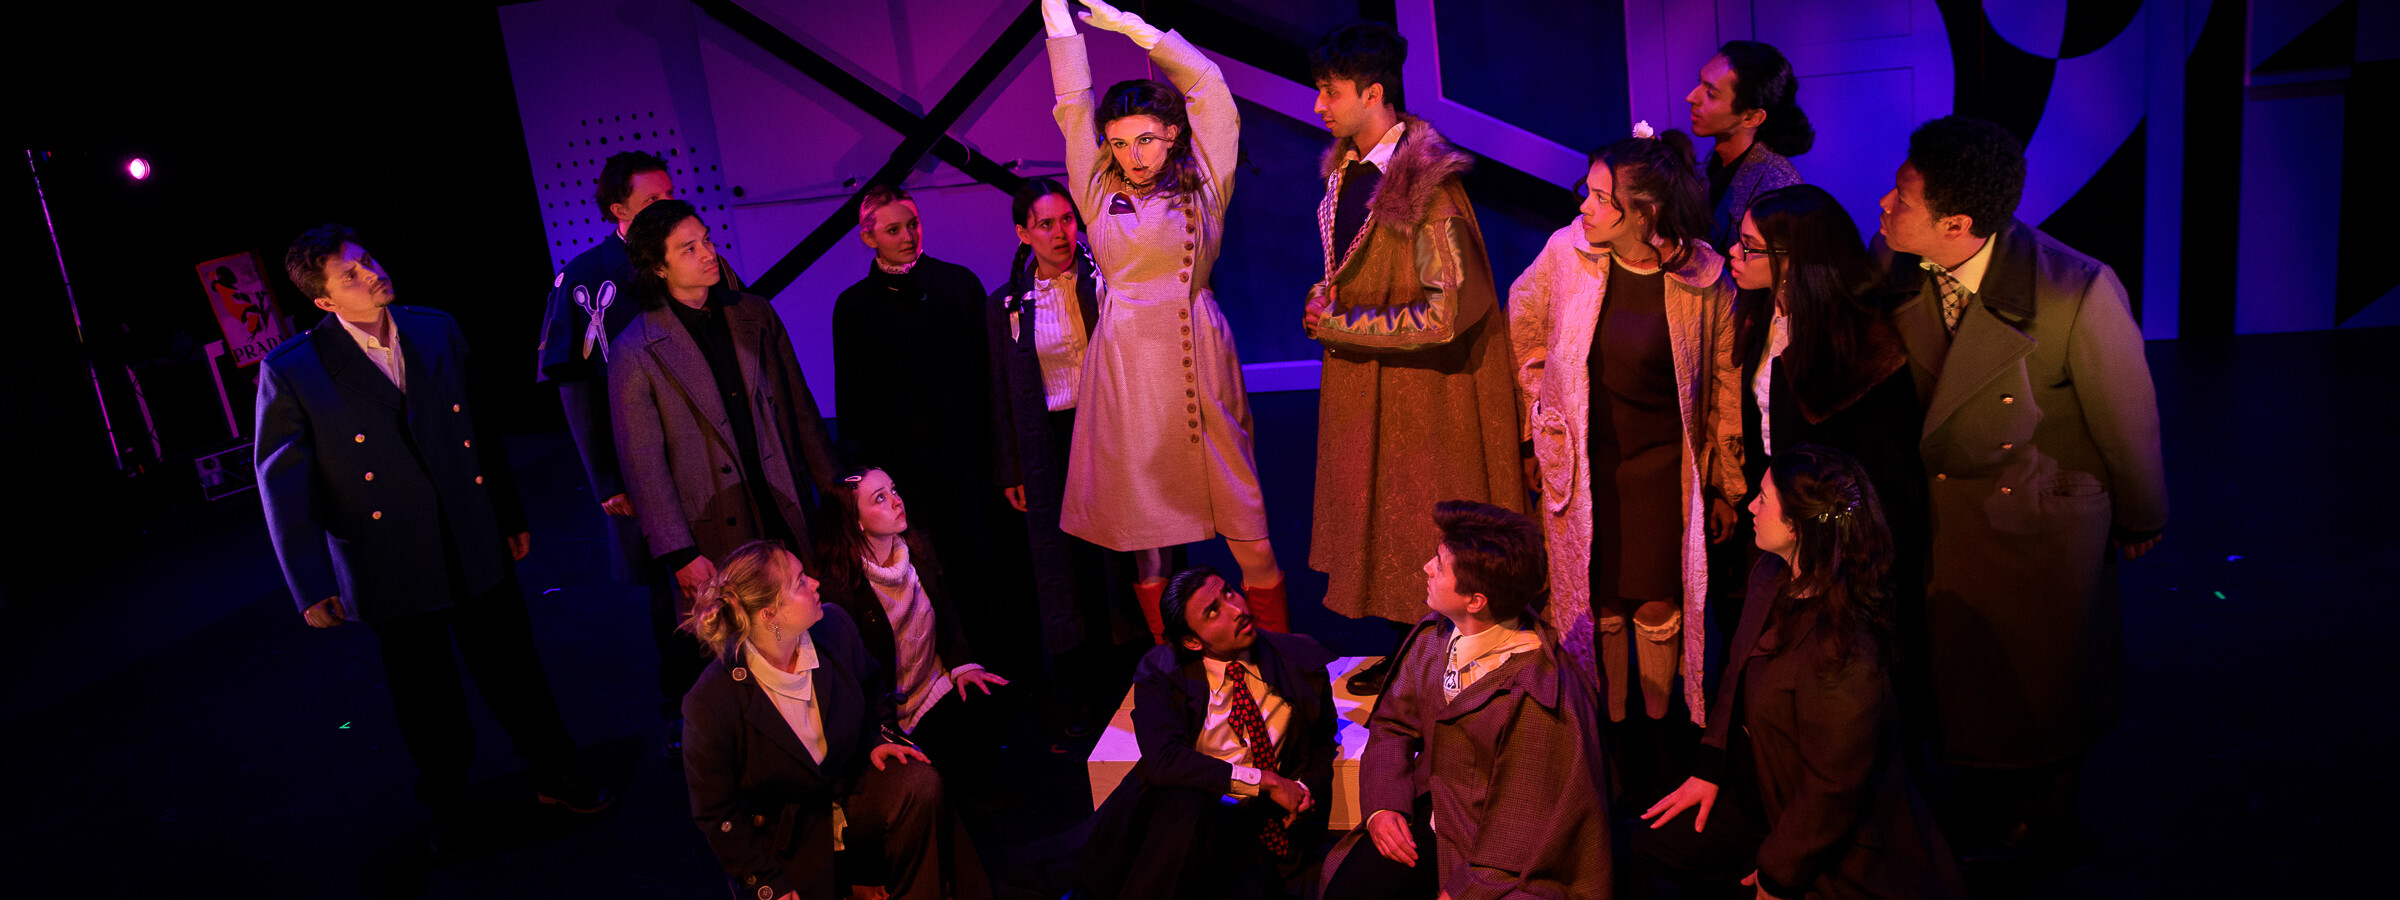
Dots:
{"x": 1110, "y": 18}
{"x": 1698, "y": 792}
{"x": 1056, "y": 19}
{"x": 883, "y": 755}
{"x": 982, "y": 680}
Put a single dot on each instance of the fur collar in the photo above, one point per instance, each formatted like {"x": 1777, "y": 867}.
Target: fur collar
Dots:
{"x": 1413, "y": 179}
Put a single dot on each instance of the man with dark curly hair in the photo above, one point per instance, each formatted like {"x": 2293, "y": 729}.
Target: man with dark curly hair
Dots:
{"x": 2041, "y": 449}
{"x": 1483, "y": 773}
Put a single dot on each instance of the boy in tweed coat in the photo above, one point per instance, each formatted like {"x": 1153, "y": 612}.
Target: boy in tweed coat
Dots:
{"x": 1482, "y": 776}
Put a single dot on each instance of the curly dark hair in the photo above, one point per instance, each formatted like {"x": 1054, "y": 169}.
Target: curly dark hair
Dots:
{"x": 305, "y": 260}
{"x": 1495, "y": 552}
{"x": 1158, "y": 100}
{"x": 646, "y": 246}
{"x": 1364, "y": 53}
{"x": 1971, "y": 168}
{"x": 1763, "y": 79}
{"x": 1841, "y": 570}
{"x": 615, "y": 183}
{"x": 1658, "y": 178}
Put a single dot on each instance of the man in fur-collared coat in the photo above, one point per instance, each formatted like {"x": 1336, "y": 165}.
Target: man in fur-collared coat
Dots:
{"x": 1415, "y": 403}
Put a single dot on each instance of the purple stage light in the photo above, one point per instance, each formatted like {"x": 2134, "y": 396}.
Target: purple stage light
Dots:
{"x": 138, "y": 167}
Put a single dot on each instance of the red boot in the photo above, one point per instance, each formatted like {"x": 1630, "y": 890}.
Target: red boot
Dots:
{"x": 1267, "y": 607}
{"x": 1147, "y": 593}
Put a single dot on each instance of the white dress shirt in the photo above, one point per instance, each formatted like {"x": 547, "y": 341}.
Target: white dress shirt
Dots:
{"x": 1059, "y": 337}
{"x": 386, "y": 358}
{"x": 1779, "y": 336}
{"x": 1218, "y": 737}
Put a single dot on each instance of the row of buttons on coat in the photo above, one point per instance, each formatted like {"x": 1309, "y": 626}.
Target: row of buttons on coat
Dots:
{"x": 361, "y": 438}
{"x": 2005, "y": 400}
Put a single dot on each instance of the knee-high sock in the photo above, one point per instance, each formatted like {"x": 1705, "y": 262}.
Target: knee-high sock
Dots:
{"x": 1148, "y": 593}
{"x": 1268, "y": 609}
{"x": 1609, "y": 633}
{"x": 1661, "y": 654}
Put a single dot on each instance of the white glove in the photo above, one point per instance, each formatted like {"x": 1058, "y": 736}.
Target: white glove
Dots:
{"x": 1110, "y": 18}
{"x": 1056, "y": 19}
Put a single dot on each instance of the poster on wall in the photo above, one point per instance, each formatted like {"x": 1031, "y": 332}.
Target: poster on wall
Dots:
{"x": 245, "y": 308}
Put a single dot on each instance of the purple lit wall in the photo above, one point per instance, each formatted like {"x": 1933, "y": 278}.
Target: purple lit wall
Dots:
{"x": 2145, "y": 133}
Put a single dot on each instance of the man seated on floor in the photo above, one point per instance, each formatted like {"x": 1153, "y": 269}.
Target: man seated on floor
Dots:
{"x": 1482, "y": 775}
{"x": 1236, "y": 727}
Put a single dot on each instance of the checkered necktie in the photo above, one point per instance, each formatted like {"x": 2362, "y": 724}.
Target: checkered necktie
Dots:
{"x": 1954, "y": 294}
{"x": 1253, "y": 730}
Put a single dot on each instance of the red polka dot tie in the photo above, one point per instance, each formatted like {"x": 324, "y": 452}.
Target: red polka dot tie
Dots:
{"x": 1253, "y": 730}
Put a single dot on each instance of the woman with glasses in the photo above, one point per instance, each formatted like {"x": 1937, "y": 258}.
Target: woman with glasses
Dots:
{"x": 1821, "y": 364}
{"x": 1623, "y": 328}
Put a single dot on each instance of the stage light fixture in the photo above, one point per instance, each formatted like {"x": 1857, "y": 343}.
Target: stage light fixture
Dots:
{"x": 138, "y": 167}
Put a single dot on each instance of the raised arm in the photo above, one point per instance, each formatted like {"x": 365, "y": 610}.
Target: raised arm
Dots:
{"x": 1216, "y": 124}
{"x": 1075, "y": 107}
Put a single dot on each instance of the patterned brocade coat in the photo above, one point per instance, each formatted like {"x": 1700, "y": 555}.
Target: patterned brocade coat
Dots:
{"x": 1552, "y": 311}
{"x": 1416, "y": 403}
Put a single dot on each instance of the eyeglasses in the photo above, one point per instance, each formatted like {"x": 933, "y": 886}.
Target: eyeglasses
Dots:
{"x": 1746, "y": 251}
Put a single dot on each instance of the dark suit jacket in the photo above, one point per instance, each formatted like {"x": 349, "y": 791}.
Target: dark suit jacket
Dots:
{"x": 1170, "y": 702}
{"x": 857, "y": 597}
{"x": 1514, "y": 765}
{"x": 1025, "y": 450}
{"x": 2041, "y": 436}
{"x": 1822, "y": 750}
{"x": 681, "y": 461}
{"x": 359, "y": 481}
{"x": 763, "y": 803}
{"x": 601, "y": 279}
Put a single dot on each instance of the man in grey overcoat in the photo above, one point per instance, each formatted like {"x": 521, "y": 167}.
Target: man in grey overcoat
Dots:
{"x": 2041, "y": 450}
{"x": 717, "y": 433}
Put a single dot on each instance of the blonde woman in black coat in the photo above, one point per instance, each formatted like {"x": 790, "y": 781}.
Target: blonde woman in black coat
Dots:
{"x": 798, "y": 776}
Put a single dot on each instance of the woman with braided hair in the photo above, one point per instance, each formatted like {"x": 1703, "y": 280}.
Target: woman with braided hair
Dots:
{"x": 1803, "y": 741}
{"x": 1162, "y": 453}
{"x": 799, "y": 776}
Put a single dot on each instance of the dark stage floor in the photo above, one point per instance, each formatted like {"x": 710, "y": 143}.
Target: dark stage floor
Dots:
{"x": 172, "y": 728}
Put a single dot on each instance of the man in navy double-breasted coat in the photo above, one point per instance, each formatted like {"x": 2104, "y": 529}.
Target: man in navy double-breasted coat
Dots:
{"x": 388, "y": 507}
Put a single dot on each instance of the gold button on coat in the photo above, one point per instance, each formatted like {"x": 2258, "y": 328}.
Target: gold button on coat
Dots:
{"x": 370, "y": 476}
{"x": 2007, "y": 399}
{"x": 454, "y": 407}
{"x": 358, "y": 438}
{"x": 478, "y": 479}
{"x": 378, "y": 514}
{"x": 2008, "y": 490}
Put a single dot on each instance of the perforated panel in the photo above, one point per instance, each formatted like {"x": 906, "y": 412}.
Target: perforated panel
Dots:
{"x": 569, "y": 178}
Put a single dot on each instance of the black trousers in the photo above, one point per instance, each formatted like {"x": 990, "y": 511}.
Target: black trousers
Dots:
{"x": 494, "y": 634}
{"x": 1366, "y": 874}
{"x": 1185, "y": 843}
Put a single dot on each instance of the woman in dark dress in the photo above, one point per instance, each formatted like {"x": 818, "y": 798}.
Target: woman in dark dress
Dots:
{"x": 790, "y": 749}
{"x": 1798, "y": 789}
{"x": 1623, "y": 330}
